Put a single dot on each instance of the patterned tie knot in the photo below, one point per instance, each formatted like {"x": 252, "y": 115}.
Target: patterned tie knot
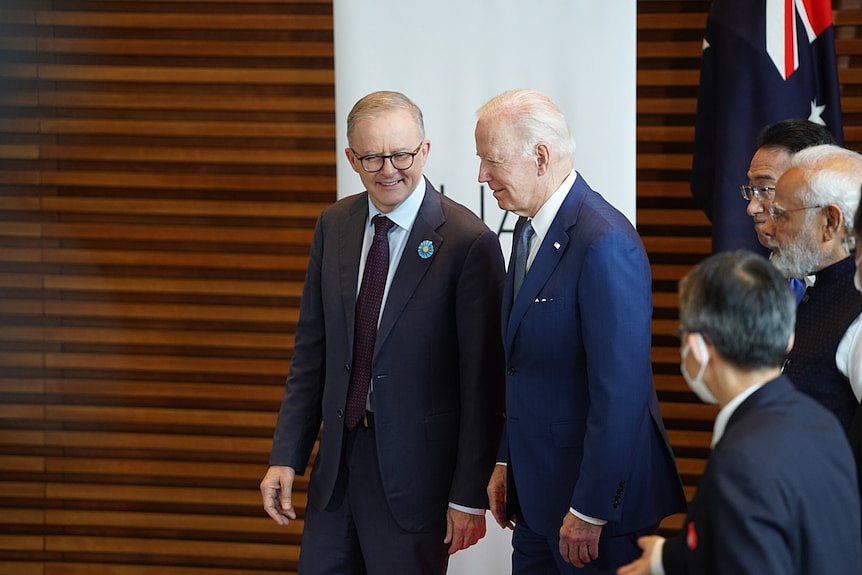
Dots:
{"x": 382, "y": 225}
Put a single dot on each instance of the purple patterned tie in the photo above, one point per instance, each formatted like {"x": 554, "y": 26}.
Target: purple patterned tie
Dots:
{"x": 367, "y": 314}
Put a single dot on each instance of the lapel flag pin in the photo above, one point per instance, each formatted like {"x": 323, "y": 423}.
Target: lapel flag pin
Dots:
{"x": 691, "y": 537}
{"x": 426, "y": 249}
{"x": 556, "y": 245}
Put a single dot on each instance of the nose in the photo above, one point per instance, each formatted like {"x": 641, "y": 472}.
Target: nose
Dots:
{"x": 754, "y": 207}
{"x": 484, "y": 176}
{"x": 388, "y": 167}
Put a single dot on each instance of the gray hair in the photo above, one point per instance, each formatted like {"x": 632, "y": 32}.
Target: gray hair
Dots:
{"x": 832, "y": 175}
{"x": 743, "y": 305}
{"x": 370, "y": 106}
{"x": 534, "y": 118}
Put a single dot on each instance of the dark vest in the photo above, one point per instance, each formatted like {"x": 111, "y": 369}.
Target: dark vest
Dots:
{"x": 826, "y": 311}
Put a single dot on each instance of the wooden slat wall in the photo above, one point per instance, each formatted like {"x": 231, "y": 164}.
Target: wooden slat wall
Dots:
{"x": 675, "y": 231}
{"x": 161, "y": 167}
{"x": 162, "y": 164}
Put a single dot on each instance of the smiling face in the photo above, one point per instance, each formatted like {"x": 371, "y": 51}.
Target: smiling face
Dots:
{"x": 766, "y": 168}
{"x": 388, "y": 133}
{"x": 513, "y": 177}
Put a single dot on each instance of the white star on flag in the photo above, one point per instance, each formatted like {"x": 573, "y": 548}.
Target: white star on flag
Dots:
{"x": 816, "y": 113}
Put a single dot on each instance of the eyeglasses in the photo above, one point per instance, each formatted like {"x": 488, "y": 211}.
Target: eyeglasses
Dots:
{"x": 400, "y": 160}
{"x": 781, "y": 215}
{"x": 751, "y": 192}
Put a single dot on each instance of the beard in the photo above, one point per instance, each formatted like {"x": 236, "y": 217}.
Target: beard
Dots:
{"x": 800, "y": 257}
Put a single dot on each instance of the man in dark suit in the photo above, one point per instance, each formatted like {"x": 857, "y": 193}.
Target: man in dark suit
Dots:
{"x": 407, "y": 382}
{"x": 585, "y": 466}
{"x": 778, "y": 494}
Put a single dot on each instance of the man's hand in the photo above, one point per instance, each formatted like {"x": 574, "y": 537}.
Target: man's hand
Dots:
{"x": 276, "y": 488}
{"x": 642, "y": 565}
{"x": 579, "y": 540}
{"x": 463, "y": 529}
{"x": 497, "y": 497}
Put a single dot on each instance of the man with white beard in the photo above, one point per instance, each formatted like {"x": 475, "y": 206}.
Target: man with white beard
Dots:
{"x": 813, "y": 210}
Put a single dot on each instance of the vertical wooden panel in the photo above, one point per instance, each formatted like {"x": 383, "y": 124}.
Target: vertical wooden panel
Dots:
{"x": 162, "y": 164}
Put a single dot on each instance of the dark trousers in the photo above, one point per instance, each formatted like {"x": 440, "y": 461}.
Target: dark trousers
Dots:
{"x": 536, "y": 554}
{"x": 356, "y": 534}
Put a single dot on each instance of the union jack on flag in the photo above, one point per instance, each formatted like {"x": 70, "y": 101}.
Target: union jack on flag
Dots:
{"x": 763, "y": 61}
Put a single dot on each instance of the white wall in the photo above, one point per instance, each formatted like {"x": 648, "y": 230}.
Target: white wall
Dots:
{"x": 450, "y": 57}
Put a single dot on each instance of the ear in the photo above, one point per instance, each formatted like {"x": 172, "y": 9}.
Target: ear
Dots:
{"x": 834, "y": 222}
{"x": 698, "y": 347}
{"x": 790, "y": 341}
{"x": 543, "y": 159}
{"x": 351, "y": 159}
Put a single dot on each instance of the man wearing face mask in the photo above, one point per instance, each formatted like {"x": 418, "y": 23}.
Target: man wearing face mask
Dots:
{"x": 778, "y": 493}
{"x": 812, "y": 210}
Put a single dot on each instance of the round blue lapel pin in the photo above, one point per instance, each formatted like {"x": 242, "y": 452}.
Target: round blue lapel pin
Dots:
{"x": 426, "y": 249}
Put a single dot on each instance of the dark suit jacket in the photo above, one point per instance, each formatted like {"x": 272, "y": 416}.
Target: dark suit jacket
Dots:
{"x": 778, "y": 494}
{"x": 583, "y": 428}
{"x": 437, "y": 366}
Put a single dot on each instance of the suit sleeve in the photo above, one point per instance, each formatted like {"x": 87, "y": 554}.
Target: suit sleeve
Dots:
{"x": 478, "y": 301}
{"x": 299, "y": 418}
{"x": 746, "y": 514}
{"x": 615, "y": 303}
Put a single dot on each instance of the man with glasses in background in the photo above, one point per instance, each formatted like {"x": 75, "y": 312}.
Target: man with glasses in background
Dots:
{"x": 398, "y": 354}
{"x": 775, "y": 146}
{"x": 811, "y": 215}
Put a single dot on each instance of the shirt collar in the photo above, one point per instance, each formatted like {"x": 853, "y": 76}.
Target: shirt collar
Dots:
{"x": 405, "y": 213}
{"x": 724, "y": 415}
{"x": 543, "y": 219}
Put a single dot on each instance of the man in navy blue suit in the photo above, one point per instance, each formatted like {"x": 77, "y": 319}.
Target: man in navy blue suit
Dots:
{"x": 407, "y": 447}
{"x": 778, "y": 494}
{"x": 584, "y": 463}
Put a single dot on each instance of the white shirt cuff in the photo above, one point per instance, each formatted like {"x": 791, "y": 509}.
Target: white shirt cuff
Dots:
{"x": 470, "y": 510}
{"x": 655, "y": 563}
{"x": 587, "y": 518}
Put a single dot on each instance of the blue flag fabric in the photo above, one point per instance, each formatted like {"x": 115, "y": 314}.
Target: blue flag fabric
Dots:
{"x": 763, "y": 61}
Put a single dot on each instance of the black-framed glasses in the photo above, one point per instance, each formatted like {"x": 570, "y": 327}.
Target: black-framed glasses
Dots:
{"x": 753, "y": 192}
{"x": 400, "y": 160}
{"x": 781, "y": 215}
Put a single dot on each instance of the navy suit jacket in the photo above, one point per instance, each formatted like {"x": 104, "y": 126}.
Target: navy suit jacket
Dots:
{"x": 778, "y": 494}
{"x": 437, "y": 365}
{"x": 583, "y": 428}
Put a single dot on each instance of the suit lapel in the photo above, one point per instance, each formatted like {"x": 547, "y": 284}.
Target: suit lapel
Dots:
{"x": 412, "y": 268}
{"x": 350, "y": 238}
{"x": 549, "y": 255}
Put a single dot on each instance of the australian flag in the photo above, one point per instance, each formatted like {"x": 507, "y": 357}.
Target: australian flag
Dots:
{"x": 763, "y": 61}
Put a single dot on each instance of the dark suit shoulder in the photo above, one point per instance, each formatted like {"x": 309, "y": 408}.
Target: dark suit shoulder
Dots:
{"x": 345, "y": 206}
{"x": 772, "y": 427}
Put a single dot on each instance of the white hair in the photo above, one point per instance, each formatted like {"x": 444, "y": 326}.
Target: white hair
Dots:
{"x": 534, "y": 118}
{"x": 832, "y": 175}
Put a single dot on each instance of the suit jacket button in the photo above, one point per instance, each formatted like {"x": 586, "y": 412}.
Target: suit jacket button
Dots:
{"x": 347, "y": 367}
{"x": 511, "y": 371}
{"x": 340, "y": 413}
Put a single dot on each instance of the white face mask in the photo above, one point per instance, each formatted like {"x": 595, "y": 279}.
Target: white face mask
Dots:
{"x": 696, "y": 383}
